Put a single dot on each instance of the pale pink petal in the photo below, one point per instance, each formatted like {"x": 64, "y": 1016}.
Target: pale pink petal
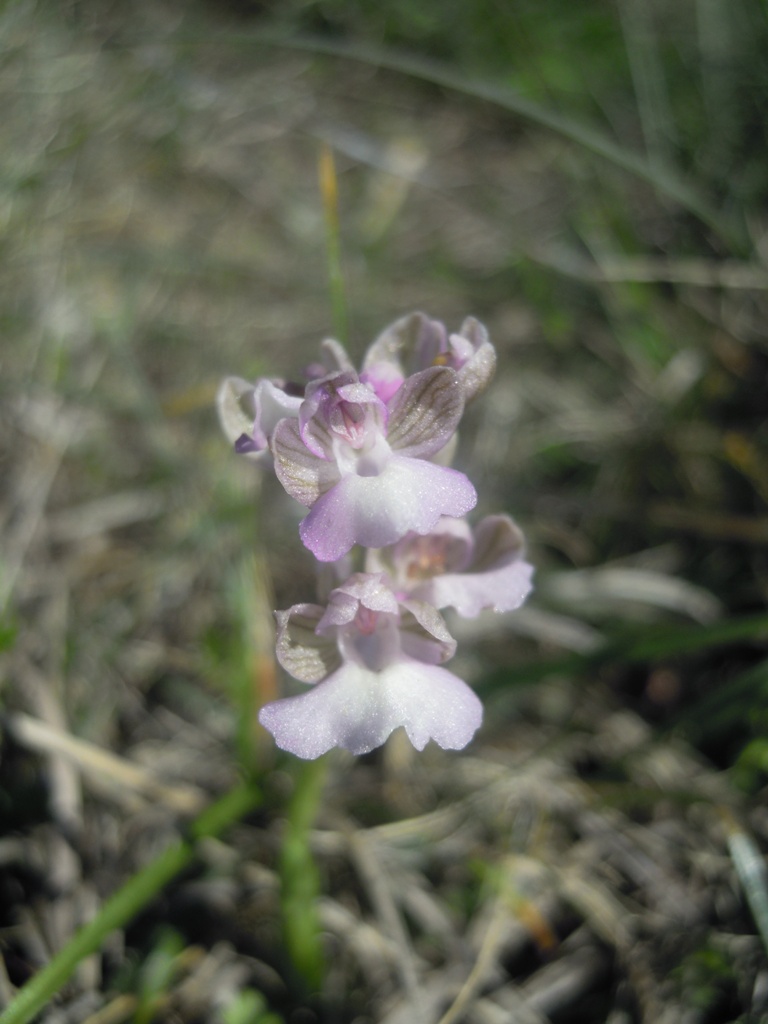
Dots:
{"x": 362, "y": 588}
{"x": 384, "y": 378}
{"x": 404, "y": 336}
{"x": 431, "y": 703}
{"x": 502, "y": 590}
{"x": 274, "y": 403}
{"x": 497, "y": 576}
{"x": 345, "y": 710}
{"x": 424, "y": 634}
{"x": 357, "y": 709}
{"x": 425, "y": 411}
{"x": 410, "y": 494}
{"x": 302, "y": 474}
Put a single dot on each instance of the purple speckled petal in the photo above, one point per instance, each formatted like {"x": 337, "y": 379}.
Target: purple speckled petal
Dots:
{"x": 357, "y": 709}
{"x": 302, "y": 474}
{"x": 409, "y": 494}
{"x": 425, "y": 411}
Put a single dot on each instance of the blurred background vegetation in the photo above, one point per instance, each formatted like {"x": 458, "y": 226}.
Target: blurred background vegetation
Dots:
{"x": 591, "y": 181}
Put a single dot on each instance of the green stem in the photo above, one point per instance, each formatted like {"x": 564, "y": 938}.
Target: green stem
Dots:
{"x": 126, "y": 903}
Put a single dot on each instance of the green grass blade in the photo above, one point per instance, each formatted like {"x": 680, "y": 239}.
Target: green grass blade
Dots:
{"x": 137, "y": 892}
{"x": 300, "y": 882}
{"x": 750, "y": 867}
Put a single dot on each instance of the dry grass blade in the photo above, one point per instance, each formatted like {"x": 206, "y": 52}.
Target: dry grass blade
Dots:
{"x": 369, "y": 867}
{"x": 119, "y": 1009}
{"x": 485, "y": 964}
{"x": 104, "y": 514}
{"x": 38, "y": 476}
{"x": 101, "y": 766}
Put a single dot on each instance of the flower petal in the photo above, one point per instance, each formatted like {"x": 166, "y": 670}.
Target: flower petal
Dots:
{"x": 404, "y": 335}
{"x": 424, "y": 634}
{"x": 498, "y": 541}
{"x": 502, "y": 590}
{"x": 410, "y": 494}
{"x": 304, "y": 476}
{"x": 362, "y": 588}
{"x": 425, "y": 411}
{"x": 497, "y": 577}
{"x": 335, "y": 357}
{"x": 308, "y": 656}
{"x": 236, "y": 408}
{"x": 249, "y": 413}
{"x": 432, "y": 704}
{"x": 342, "y": 711}
{"x": 474, "y": 372}
{"x": 357, "y": 709}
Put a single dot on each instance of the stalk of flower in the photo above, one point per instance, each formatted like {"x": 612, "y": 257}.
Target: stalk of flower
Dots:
{"x": 374, "y": 663}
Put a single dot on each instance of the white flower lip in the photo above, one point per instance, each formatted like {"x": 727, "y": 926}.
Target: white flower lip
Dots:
{"x": 386, "y": 675}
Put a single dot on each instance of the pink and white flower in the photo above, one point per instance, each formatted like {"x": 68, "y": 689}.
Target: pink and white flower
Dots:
{"x": 368, "y": 454}
{"x": 454, "y": 566}
{"x": 361, "y": 463}
{"x": 375, "y": 663}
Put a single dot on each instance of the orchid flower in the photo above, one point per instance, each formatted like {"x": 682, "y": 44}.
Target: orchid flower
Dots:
{"x": 369, "y": 455}
{"x": 361, "y": 463}
{"x": 454, "y": 566}
{"x": 376, "y": 664}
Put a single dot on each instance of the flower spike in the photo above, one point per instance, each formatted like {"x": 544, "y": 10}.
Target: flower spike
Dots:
{"x": 369, "y": 456}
